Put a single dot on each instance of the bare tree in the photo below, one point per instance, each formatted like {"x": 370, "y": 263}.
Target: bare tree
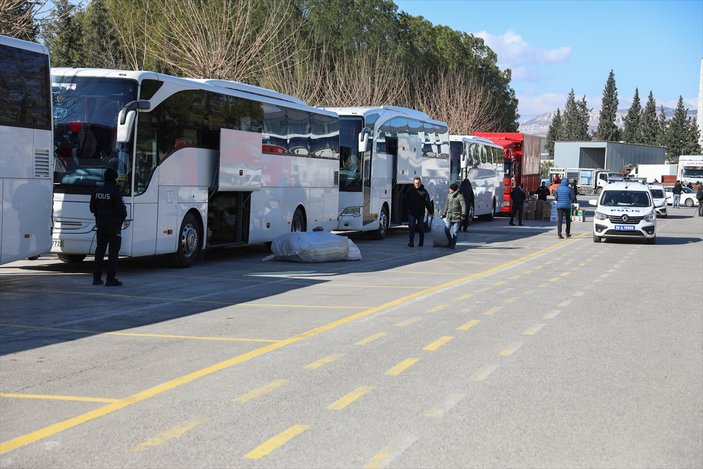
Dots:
{"x": 19, "y": 18}
{"x": 228, "y": 39}
{"x": 130, "y": 19}
{"x": 459, "y": 100}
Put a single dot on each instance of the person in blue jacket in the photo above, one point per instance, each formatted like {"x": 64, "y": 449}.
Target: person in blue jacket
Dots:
{"x": 564, "y": 196}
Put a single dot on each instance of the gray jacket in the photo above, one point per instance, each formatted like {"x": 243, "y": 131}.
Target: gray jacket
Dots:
{"x": 456, "y": 207}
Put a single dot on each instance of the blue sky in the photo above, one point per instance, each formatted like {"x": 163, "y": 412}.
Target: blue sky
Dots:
{"x": 554, "y": 46}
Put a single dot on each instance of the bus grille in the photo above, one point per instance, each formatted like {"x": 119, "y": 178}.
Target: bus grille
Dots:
{"x": 42, "y": 166}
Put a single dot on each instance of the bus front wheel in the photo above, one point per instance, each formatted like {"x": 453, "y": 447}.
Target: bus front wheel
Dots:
{"x": 189, "y": 242}
{"x": 382, "y": 229}
{"x": 298, "y": 224}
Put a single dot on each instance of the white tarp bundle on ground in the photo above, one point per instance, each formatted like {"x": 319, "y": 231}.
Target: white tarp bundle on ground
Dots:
{"x": 315, "y": 246}
{"x": 439, "y": 236}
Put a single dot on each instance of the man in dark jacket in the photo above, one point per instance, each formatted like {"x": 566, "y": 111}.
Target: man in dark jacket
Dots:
{"x": 542, "y": 191}
{"x": 517, "y": 196}
{"x": 678, "y": 188}
{"x": 468, "y": 192}
{"x": 110, "y": 212}
{"x": 417, "y": 200}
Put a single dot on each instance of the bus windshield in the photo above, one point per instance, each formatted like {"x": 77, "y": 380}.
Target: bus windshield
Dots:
{"x": 349, "y": 162}
{"x": 85, "y": 122}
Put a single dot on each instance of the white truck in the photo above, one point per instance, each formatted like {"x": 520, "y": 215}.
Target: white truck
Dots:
{"x": 588, "y": 180}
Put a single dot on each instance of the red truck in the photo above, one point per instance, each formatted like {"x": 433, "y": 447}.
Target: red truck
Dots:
{"x": 522, "y": 154}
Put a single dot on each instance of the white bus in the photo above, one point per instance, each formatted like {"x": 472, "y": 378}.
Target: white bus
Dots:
{"x": 481, "y": 162}
{"x": 690, "y": 168}
{"x": 201, "y": 163}
{"x": 381, "y": 150}
{"x": 25, "y": 150}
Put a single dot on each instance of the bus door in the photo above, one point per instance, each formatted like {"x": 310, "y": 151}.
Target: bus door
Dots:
{"x": 366, "y": 159}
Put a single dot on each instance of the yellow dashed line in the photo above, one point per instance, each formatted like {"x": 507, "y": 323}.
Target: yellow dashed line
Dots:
{"x": 171, "y": 434}
{"x": 370, "y": 338}
{"x": 323, "y": 361}
{"x": 402, "y": 366}
{"x": 438, "y": 343}
{"x": 468, "y": 325}
{"x": 465, "y": 297}
{"x": 507, "y": 351}
{"x": 408, "y": 321}
{"x": 277, "y": 441}
{"x": 491, "y": 311}
{"x": 347, "y": 399}
{"x": 262, "y": 391}
{"x": 438, "y": 308}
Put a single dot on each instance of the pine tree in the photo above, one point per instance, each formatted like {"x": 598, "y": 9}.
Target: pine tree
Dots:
{"x": 692, "y": 145}
{"x": 678, "y": 133}
{"x": 648, "y": 127}
{"x": 101, "y": 48}
{"x": 570, "y": 118}
{"x": 64, "y": 36}
{"x": 632, "y": 119}
{"x": 661, "y": 127}
{"x": 584, "y": 117}
{"x": 555, "y": 132}
{"x": 607, "y": 130}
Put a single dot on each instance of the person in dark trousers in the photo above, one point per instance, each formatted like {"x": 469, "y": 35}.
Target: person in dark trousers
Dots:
{"x": 564, "y": 196}
{"x": 677, "y": 190}
{"x": 454, "y": 213}
{"x": 417, "y": 200}
{"x": 468, "y": 192}
{"x": 542, "y": 191}
{"x": 517, "y": 196}
{"x": 575, "y": 189}
{"x": 699, "y": 196}
{"x": 110, "y": 212}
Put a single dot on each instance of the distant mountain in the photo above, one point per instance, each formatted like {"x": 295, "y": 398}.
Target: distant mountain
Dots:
{"x": 540, "y": 125}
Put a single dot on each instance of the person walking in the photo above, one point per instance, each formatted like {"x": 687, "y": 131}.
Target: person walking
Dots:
{"x": 678, "y": 189}
{"x": 699, "y": 196}
{"x": 517, "y": 196}
{"x": 454, "y": 213}
{"x": 417, "y": 200}
{"x": 467, "y": 191}
{"x": 564, "y": 196}
{"x": 110, "y": 212}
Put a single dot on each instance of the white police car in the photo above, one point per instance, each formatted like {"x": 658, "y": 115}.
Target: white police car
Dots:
{"x": 625, "y": 210}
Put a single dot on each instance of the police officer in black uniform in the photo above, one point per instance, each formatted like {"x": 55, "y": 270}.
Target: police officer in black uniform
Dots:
{"x": 110, "y": 212}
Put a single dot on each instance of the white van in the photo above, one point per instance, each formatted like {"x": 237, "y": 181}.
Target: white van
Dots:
{"x": 625, "y": 209}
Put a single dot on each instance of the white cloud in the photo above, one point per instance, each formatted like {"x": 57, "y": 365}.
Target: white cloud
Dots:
{"x": 515, "y": 53}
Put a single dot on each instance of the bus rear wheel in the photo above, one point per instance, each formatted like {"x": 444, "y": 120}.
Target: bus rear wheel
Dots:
{"x": 298, "y": 224}
{"x": 71, "y": 258}
{"x": 189, "y": 242}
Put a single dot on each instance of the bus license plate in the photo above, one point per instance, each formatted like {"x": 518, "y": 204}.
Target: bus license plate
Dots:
{"x": 624, "y": 228}
{"x": 57, "y": 243}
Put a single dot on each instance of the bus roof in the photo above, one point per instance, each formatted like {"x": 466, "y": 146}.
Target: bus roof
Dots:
{"x": 20, "y": 44}
{"x": 364, "y": 111}
{"x": 234, "y": 88}
{"x": 473, "y": 138}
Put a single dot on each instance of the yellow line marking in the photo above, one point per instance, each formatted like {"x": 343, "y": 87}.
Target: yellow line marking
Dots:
{"x": 72, "y": 422}
{"x": 532, "y": 330}
{"x": 407, "y": 322}
{"x": 275, "y": 442}
{"x": 371, "y": 338}
{"x": 347, "y": 399}
{"x": 501, "y": 282}
{"x": 136, "y": 334}
{"x": 528, "y": 292}
{"x": 578, "y": 293}
{"x": 554, "y": 279}
{"x": 438, "y": 343}
{"x": 552, "y": 314}
{"x": 171, "y": 434}
{"x": 542, "y": 285}
{"x": 394, "y": 449}
{"x": 438, "y": 308}
{"x": 565, "y": 274}
{"x": 484, "y": 289}
{"x": 465, "y": 297}
{"x": 507, "y": 351}
{"x": 262, "y": 391}
{"x": 483, "y": 373}
{"x": 468, "y": 325}
{"x": 402, "y": 366}
{"x": 323, "y": 361}
{"x": 510, "y": 300}
{"x": 55, "y": 397}
{"x": 491, "y": 311}
{"x": 442, "y": 409}
{"x": 565, "y": 303}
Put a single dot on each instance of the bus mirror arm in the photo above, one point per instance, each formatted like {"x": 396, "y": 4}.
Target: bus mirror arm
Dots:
{"x": 126, "y": 118}
{"x": 363, "y": 140}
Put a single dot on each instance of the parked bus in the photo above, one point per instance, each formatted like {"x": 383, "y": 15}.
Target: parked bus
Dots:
{"x": 200, "y": 163}
{"x": 522, "y": 154}
{"x": 381, "y": 150}
{"x": 690, "y": 168}
{"x": 481, "y": 162}
{"x": 26, "y": 147}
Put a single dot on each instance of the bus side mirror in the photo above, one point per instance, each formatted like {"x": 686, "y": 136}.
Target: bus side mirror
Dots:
{"x": 126, "y": 118}
{"x": 363, "y": 141}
